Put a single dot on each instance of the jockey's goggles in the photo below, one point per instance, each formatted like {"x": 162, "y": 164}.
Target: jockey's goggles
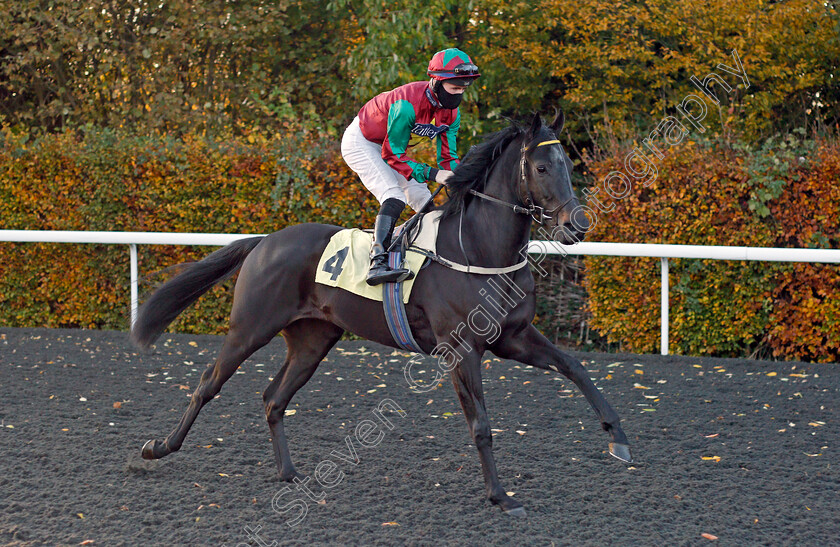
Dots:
{"x": 465, "y": 70}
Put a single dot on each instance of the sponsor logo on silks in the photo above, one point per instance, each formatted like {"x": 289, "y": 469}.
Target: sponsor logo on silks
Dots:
{"x": 428, "y": 129}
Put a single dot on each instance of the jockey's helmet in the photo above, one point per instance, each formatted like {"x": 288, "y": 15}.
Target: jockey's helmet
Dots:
{"x": 454, "y": 66}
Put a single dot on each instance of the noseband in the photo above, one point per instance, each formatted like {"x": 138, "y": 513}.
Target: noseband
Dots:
{"x": 537, "y": 213}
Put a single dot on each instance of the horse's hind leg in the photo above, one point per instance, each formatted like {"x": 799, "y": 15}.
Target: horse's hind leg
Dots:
{"x": 240, "y": 343}
{"x": 308, "y": 341}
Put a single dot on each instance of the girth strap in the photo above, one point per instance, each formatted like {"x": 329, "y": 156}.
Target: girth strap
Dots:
{"x": 392, "y": 304}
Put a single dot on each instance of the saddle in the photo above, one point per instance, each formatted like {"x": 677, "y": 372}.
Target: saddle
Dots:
{"x": 346, "y": 259}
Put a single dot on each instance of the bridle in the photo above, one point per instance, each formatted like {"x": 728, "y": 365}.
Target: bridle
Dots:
{"x": 537, "y": 212}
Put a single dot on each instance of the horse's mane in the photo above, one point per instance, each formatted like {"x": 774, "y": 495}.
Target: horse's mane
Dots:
{"x": 473, "y": 169}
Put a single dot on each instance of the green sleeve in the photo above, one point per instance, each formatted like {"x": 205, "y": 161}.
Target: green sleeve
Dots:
{"x": 401, "y": 117}
{"x": 447, "y": 145}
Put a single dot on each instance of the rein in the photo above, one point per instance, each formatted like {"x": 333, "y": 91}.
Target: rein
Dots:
{"x": 536, "y": 212}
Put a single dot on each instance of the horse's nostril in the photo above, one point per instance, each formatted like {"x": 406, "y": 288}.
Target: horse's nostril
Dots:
{"x": 579, "y": 221}
{"x": 567, "y": 233}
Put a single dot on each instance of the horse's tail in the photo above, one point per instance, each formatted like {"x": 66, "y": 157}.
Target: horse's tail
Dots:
{"x": 195, "y": 279}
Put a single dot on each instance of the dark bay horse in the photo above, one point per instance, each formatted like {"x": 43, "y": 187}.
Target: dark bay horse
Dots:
{"x": 514, "y": 175}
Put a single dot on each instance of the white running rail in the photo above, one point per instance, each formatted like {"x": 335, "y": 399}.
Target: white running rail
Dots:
{"x": 664, "y": 252}
{"x": 541, "y": 248}
{"x": 132, "y": 239}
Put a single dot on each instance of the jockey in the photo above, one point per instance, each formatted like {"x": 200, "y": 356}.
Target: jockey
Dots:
{"x": 375, "y": 146}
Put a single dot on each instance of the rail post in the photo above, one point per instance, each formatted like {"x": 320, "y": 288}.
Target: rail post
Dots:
{"x": 663, "y": 344}
{"x": 132, "y": 250}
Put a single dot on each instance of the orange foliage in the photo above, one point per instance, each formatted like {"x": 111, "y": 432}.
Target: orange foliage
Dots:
{"x": 805, "y": 321}
{"x": 707, "y": 195}
{"x": 101, "y": 182}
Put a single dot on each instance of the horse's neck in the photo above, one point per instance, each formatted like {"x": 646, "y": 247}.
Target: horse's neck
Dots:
{"x": 492, "y": 234}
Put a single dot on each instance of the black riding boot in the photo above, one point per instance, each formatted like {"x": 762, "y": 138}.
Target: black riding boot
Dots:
{"x": 379, "y": 271}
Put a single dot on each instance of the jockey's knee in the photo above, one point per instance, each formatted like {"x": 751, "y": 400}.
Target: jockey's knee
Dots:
{"x": 417, "y": 195}
{"x": 392, "y": 207}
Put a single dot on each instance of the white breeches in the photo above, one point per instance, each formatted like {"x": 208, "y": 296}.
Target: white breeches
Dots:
{"x": 365, "y": 158}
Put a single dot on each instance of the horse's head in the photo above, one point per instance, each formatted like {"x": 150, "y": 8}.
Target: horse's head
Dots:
{"x": 545, "y": 181}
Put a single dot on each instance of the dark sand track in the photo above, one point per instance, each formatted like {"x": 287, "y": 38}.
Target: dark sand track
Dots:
{"x": 746, "y": 451}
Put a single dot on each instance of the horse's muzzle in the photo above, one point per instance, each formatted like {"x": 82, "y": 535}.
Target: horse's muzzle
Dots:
{"x": 568, "y": 234}
{"x": 569, "y": 225}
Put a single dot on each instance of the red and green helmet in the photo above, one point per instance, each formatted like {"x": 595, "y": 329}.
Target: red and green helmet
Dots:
{"x": 454, "y": 66}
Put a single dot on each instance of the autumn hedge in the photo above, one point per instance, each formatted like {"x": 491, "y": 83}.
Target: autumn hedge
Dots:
{"x": 781, "y": 194}
{"x": 100, "y": 180}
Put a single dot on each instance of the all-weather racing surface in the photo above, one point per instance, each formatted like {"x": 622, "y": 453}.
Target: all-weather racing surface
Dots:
{"x": 735, "y": 452}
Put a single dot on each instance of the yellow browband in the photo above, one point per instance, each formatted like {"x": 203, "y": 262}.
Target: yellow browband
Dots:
{"x": 555, "y": 141}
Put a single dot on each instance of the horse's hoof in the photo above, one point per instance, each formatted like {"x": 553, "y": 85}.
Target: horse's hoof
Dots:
{"x": 290, "y": 477}
{"x": 509, "y": 505}
{"x": 621, "y": 452}
{"x": 516, "y": 512}
{"x": 149, "y": 450}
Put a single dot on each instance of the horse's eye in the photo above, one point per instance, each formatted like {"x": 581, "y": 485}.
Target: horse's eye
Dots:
{"x": 541, "y": 169}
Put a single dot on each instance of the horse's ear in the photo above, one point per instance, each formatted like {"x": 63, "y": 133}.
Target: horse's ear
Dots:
{"x": 559, "y": 121}
{"x": 535, "y": 126}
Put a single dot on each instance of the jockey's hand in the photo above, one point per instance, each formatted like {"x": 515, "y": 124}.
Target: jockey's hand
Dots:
{"x": 443, "y": 175}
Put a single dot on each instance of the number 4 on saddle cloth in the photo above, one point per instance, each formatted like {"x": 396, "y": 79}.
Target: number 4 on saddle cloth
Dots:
{"x": 346, "y": 260}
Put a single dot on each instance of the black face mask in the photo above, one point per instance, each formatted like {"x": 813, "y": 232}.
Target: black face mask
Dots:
{"x": 447, "y": 100}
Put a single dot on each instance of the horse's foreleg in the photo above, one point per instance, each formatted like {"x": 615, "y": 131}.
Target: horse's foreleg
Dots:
{"x": 532, "y": 348}
{"x": 466, "y": 377}
{"x": 308, "y": 341}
